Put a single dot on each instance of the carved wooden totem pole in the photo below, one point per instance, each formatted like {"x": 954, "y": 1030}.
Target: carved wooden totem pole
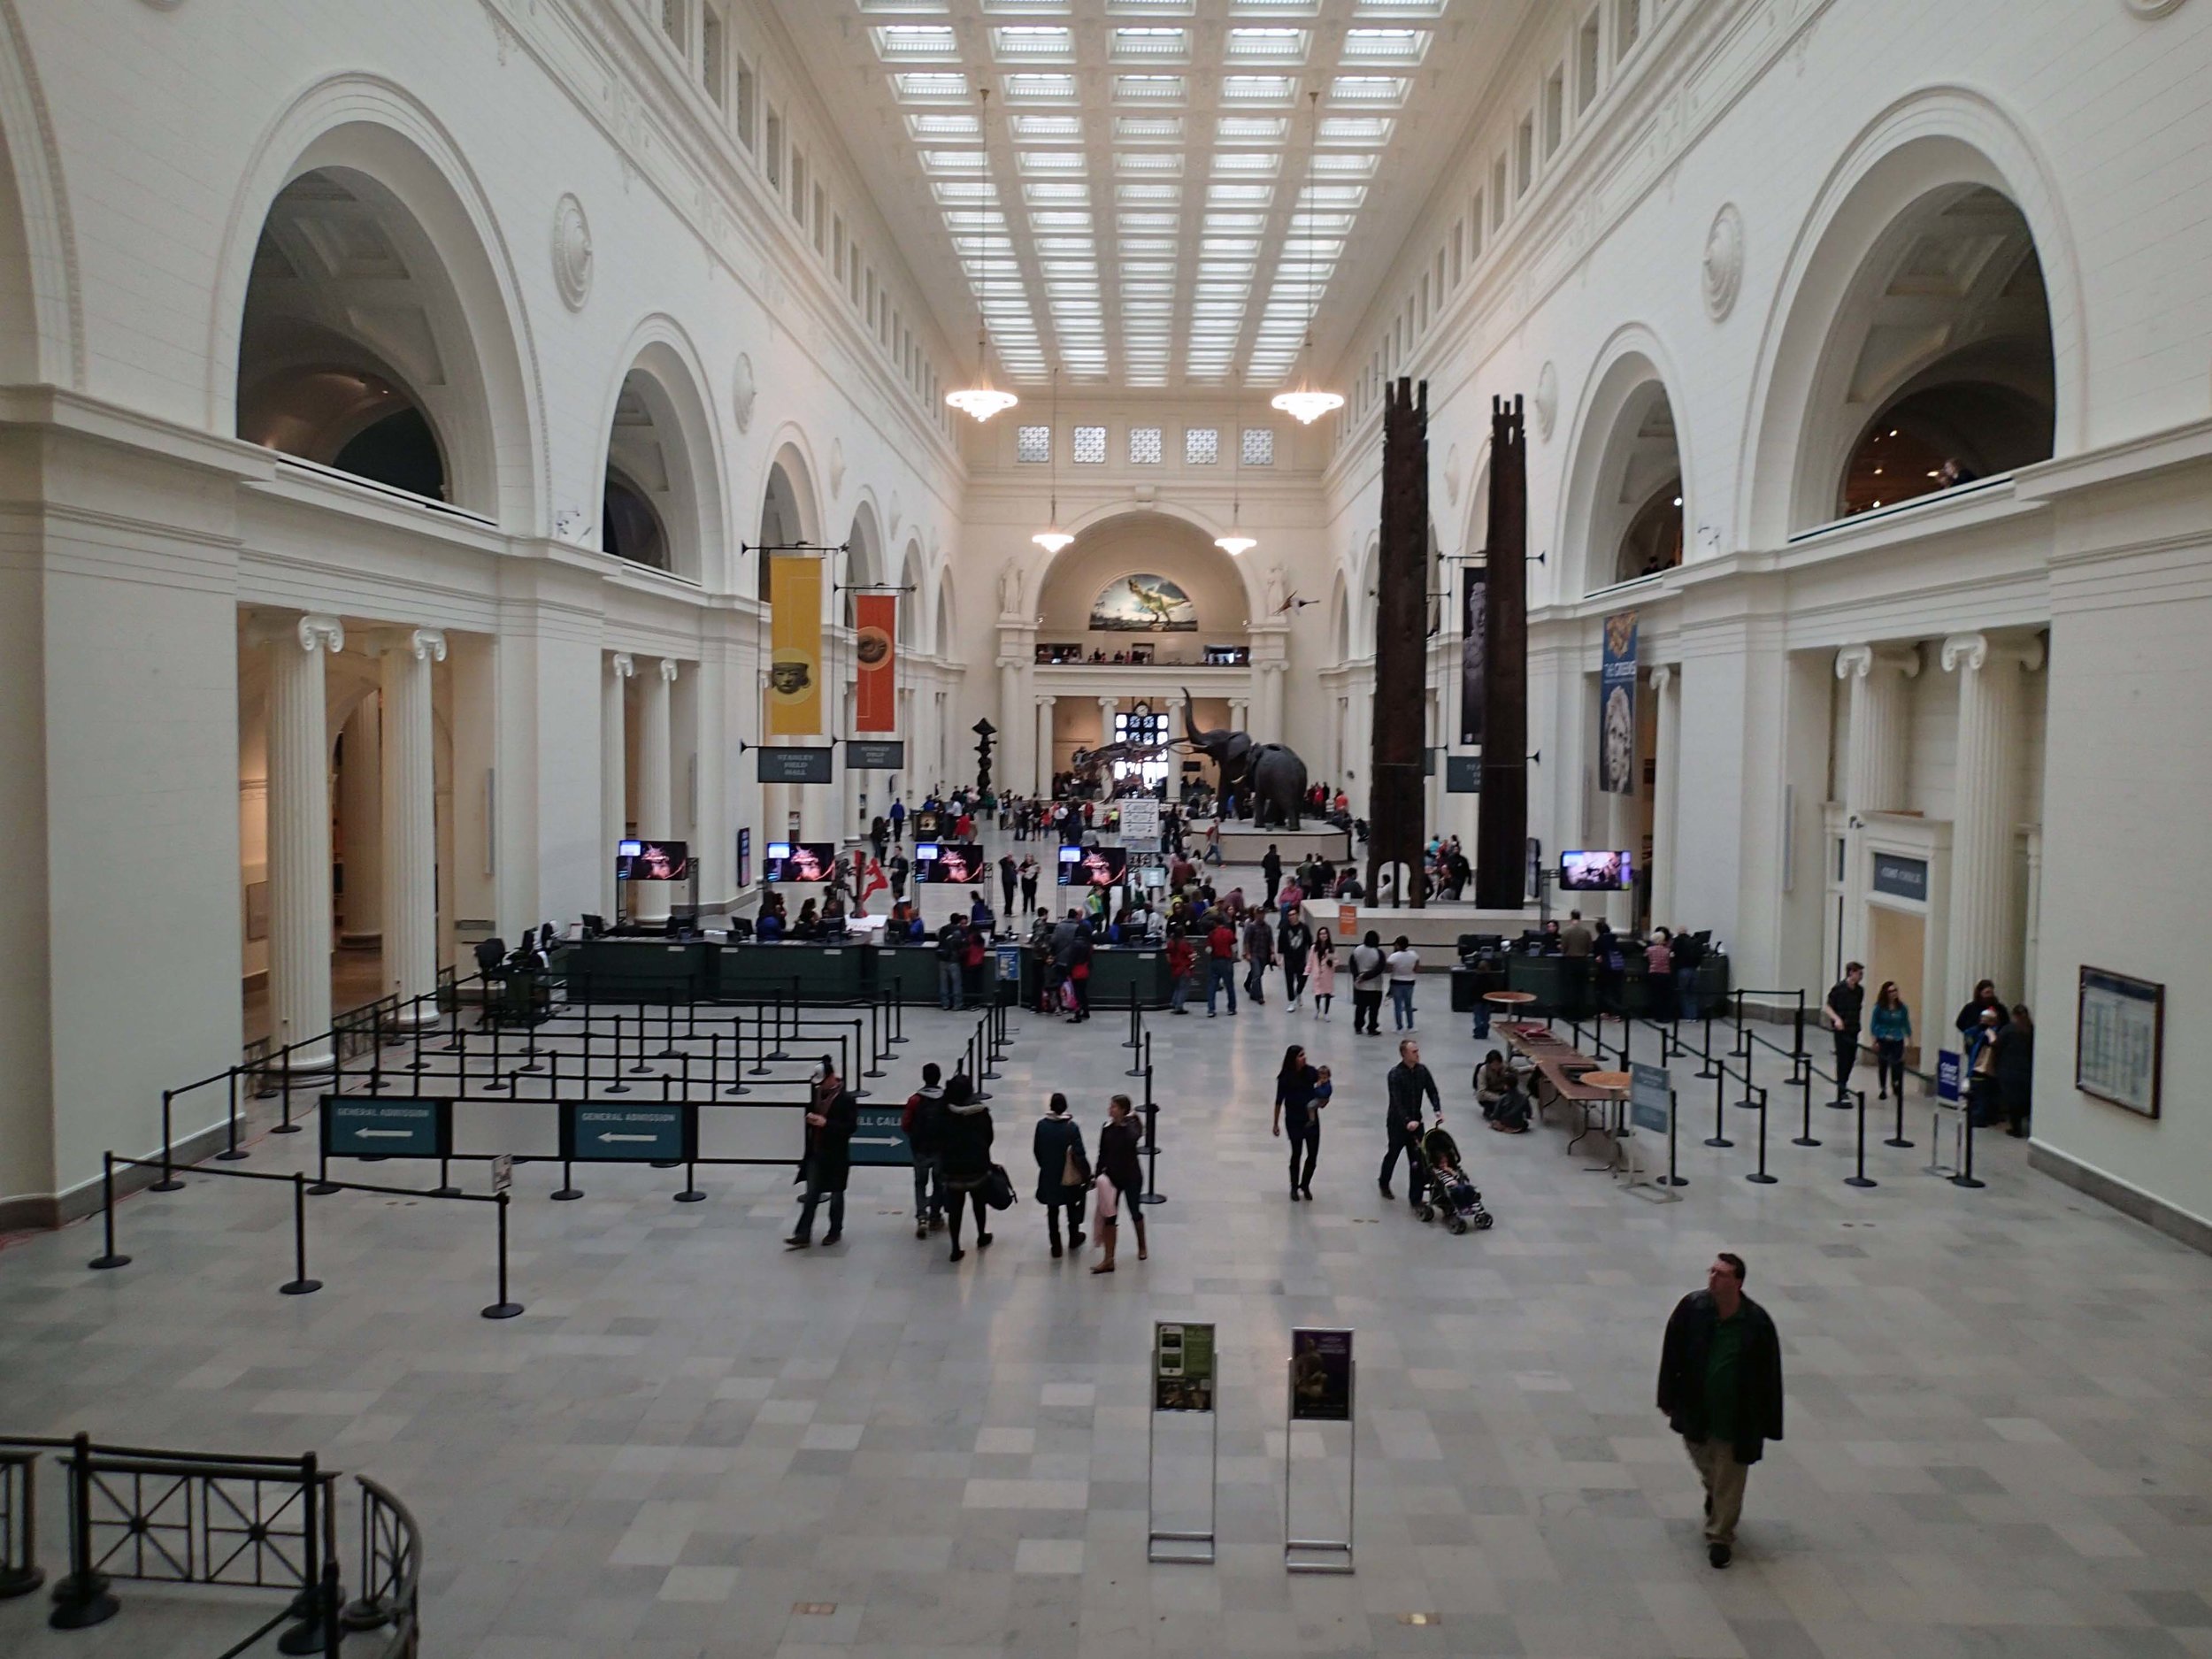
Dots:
{"x": 1395, "y": 830}
{"x": 1502, "y": 836}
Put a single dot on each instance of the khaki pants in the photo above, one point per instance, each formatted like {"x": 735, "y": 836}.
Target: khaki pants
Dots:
{"x": 1724, "y": 1478}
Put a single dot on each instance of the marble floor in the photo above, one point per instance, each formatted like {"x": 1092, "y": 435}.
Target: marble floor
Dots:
{"x": 693, "y": 1443}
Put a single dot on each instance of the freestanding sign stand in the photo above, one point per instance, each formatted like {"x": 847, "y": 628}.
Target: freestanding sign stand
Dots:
{"x": 1650, "y": 1112}
{"x": 1183, "y": 1376}
{"x": 1322, "y": 1377}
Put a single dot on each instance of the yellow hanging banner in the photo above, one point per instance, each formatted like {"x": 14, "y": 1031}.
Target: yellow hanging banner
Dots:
{"x": 795, "y": 649}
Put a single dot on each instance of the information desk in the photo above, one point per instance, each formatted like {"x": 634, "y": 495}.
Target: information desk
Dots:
{"x": 812, "y": 973}
{"x": 1566, "y": 988}
{"x": 657, "y": 970}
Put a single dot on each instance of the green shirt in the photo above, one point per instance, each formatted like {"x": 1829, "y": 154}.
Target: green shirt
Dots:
{"x": 1724, "y": 1367}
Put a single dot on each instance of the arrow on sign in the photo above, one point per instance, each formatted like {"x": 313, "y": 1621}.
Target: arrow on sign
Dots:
{"x": 385, "y": 1134}
{"x": 640, "y": 1139}
{"x": 875, "y": 1141}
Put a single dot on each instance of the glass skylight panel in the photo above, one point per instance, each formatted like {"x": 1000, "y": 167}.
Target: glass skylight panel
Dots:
{"x": 1039, "y": 88}
{"x": 1375, "y": 89}
{"x": 1032, "y": 445}
{"x": 1280, "y": 8}
{"x": 1126, "y": 192}
{"x": 941, "y": 127}
{"x": 1147, "y": 247}
{"x": 1385, "y": 46}
{"x": 1147, "y": 129}
{"x": 1219, "y": 224}
{"x": 1399, "y": 8}
{"x": 954, "y": 161}
{"x": 1252, "y": 129}
{"x": 965, "y": 190}
{"x": 1155, "y": 44}
{"x": 917, "y": 8}
{"x": 1153, "y": 162}
{"x": 1263, "y": 163}
{"x": 1148, "y": 88}
{"x": 1030, "y": 129}
{"x": 1257, "y": 89}
{"x": 1267, "y": 46}
{"x": 1240, "y": 195}
{"x": 1147, "y": 267}
{"x": 1071, "y": 247}
{"x": 1050, "y": 160}
{"x": 1355, "y": 129}
{"x": 1332, "y": 195}
{"x": 1056, "y": 195}
{"x": 909, "y": 43}
{"x": 929, "y": 87}
{"x": 1358, "y": 165}
{"x": 1061, "y": 220}
{"x": 1031, "y": 41}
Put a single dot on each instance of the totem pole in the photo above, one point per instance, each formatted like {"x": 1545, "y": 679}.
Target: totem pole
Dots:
{"x": 1501, "y": 832}
{"x": 1394, "y": 796}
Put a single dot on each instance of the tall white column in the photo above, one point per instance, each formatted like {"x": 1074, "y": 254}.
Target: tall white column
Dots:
{"x": 1879, "y": 725}
{"x": 360, "y": 849}
{"x": 614, "y": 773}
{"x": 1012, "y": 740}
{"x": 411, "y": 831}
{"x": 1045, "y": 706}
{"x": 1108, "y": 708}
{"x": 656, "y": 783}
{"x": 299, "y": 841}
{"x": 1668, "y": 768}
{"x": 1984, "y": 939}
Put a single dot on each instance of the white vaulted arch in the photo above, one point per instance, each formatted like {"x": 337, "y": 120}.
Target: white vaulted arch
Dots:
{"x": 663, "y": 453}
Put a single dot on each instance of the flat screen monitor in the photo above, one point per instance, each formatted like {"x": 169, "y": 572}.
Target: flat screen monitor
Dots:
{"x": 800, "y": 861}
{"x": 1597, "y": 872}
{"x": 954, "y": 863}
{"x": 652, "y": 861}
{"x": 1093, "y": 866}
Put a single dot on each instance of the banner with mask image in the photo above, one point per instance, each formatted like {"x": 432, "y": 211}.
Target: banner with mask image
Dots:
{"x": 1474, "y": 647}
{"x": 794, "y": 646}
{"x": 1616, "y": 706}
{"x": 875, "y": 652}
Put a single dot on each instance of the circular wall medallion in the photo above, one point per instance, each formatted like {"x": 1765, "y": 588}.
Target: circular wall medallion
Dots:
{"x": 742, "y": 393}
{"x": 571, "y": 252}
{"x": 1723, "y": 263}
{"x": 1547, "y": 401}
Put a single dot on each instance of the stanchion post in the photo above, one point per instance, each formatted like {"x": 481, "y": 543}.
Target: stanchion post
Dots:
{"x": 691, "y": 1194}
{"x": 81, "y": 1599}
{"x": 232, "y": 1152}
{"x": 504, "y": 1308}
{"x": 445, "y": 1188}
{"x": 568, "y": 1192}
{"x": 1759, "y": 1176}
{"x": 301, "y": 1285}
{"x": 1674, "y": 1109}
{"x": 169, "y": 1183}
{"x": 1965, "y": 1176}
{"x": 1152, "y": 1195}
{"x": 1804, "y": 1080}
{"x": 1719, "y": 1137}
{"x": 108, "y": 1257}
{"x": 1860, "y": 1178}
{"x": 1898, "y": 1138}
{"x": 1706, "y": 1054}
{"x": 1748, "y": 1059}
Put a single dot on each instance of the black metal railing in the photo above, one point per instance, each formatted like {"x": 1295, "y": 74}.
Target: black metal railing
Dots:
{"x": 391, "y": 1572}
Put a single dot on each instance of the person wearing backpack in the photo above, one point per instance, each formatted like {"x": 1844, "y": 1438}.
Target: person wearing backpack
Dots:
{"x": 1368, "y": 966}
{"x": 1063, "y": 1172}
{"x": 952, "y": 949}
{"x": 923, "y": 1122}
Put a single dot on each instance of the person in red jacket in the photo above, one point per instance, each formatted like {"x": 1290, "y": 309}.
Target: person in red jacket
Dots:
{"x": 1221, "y": 962}
{"x": 1181, "y": 960}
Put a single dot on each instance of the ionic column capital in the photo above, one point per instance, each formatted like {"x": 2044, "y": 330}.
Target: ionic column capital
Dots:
{"x": 625, "y": 665}
{"x": 668, "y": 670}
{"x": 1859, "y": 661}
{"x": 319, "y": 633}
{"x": 1973, "y": 652}
{"x": 427, "y": 644}
{"x": 1662, "y": 676}
{"x": 1046, "y": 703}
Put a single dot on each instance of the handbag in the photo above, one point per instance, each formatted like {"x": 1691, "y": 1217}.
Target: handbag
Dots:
{"x": 1073, "y": 1171}
{"x": 998, "y": 1188}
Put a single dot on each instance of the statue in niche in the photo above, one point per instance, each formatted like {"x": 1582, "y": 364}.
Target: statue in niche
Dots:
{"x": 1271, "y": 774}
{"x": 1278, "y": 591}
{"x": 1010, "y": 589}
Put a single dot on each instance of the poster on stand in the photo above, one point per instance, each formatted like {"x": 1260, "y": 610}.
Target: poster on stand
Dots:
{"x": 1182, "y": 1367}
{"x": 1320, "y": 1376}
{"x": 1616, "y": 706}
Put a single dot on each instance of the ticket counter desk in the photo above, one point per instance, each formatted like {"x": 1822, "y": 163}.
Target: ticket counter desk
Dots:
{"x": 648, "y": 970}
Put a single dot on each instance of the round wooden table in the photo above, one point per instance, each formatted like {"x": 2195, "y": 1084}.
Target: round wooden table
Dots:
{"x": 1508, "y": 1004}
{"x": 1614, "y": 1082}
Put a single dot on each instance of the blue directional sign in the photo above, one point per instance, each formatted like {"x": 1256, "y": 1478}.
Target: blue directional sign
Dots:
{"x": 880, "y": 1139}
{"x": 597, "y": 1132}
{"x": 1650, "y": 1097}
{"x": 357, "y": 1128}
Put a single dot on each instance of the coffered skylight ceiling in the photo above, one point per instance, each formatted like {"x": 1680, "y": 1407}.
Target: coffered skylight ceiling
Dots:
{"x": 1133, "y": 206}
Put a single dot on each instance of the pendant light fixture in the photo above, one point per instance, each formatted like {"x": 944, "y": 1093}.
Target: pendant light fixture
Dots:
{"x": 1307, "y": 402}
{"x": 1236, "y": 542}
{"x": 983, "y": 400}
{"x": 1052, "y": 538}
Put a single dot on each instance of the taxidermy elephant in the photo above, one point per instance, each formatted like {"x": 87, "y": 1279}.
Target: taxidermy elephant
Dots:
{"x": 1272, "y": 774}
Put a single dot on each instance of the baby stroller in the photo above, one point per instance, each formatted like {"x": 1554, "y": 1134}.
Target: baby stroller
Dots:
{"x": 1449, "y": 1188}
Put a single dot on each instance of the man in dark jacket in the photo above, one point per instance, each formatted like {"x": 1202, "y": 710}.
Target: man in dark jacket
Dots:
{"x": 924, "y": 1121}
{"x": 952, "y": 952}
{"x": 1408, "y": 1083}
{"x": 829, "y": 1138}
{"x": 1720, "y": 1384}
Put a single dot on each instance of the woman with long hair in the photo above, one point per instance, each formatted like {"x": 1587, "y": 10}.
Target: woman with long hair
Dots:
{"x": 1323, "y": 971}
{"x": 1120, "y": 1182}
{"x": 1891, "y": 1027}
{"x": 1298, "y": 1094}
{"x": 2015, "y": 1066}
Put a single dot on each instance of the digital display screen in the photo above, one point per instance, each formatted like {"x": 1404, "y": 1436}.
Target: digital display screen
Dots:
{"x": 960, "y": 863}
{"x": 1093, "y": 866}
{"x": 1597, "y": 872}
{"x": 800, "y": 861}
{"x": 652, "y": 861}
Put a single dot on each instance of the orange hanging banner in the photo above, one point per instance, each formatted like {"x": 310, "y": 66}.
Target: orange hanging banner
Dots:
{"x": 876, "y": 653}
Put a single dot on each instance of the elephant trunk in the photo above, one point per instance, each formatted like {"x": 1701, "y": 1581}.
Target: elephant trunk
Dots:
{"x": 1190, "y": 724}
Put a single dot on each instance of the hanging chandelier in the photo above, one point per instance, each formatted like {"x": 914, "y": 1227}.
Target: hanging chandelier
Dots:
{"x": 984, "y": 400}
{"x": 1052, "y": 538}
{"x": 1307, "y": 402}
{"x": 1236, "y": 542}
